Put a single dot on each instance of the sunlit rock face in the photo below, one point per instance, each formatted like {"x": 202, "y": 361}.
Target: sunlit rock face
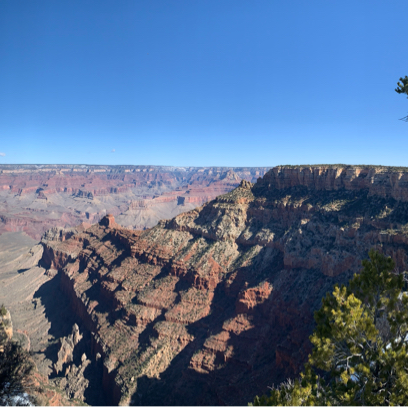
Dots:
{"x": 216, "y": 304}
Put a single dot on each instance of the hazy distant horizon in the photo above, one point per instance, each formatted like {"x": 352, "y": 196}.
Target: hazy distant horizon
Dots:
{"x": 202, "y": 167}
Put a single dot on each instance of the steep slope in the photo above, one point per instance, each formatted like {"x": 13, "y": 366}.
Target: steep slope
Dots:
{"x": 216, "y": 304}
{"x": 28, "y": 293}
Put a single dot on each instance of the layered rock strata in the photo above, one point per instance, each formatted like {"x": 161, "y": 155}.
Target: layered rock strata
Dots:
{"x": 35, "y": 198}
{"x": 215, "y": 305}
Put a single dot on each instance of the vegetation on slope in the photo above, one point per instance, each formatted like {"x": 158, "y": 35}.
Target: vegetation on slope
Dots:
{"x": 15, "y": 367}
{"x": 360, "y": 344}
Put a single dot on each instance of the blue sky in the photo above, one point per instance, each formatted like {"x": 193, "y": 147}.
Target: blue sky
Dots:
{"x": 202, "y": 82}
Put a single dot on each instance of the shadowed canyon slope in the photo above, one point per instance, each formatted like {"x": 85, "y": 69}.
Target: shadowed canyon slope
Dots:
{"x": 34, "y": 198}
{"x": 216, "y": 304}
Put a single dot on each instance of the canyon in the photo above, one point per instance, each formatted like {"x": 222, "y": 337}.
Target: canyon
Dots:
{"x": 211, "y": 306}
{"x": 34, "y": 198}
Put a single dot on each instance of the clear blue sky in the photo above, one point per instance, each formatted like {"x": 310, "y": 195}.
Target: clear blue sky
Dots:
{"x": 203, "y": 82}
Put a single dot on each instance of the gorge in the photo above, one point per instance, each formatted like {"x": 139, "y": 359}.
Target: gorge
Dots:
{"x": 216, "y": 304}
{"x": 34, "y": 198}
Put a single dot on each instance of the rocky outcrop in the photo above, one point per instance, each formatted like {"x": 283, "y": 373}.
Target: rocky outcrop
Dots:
{"x": 65, "y": 354}
{"x": 216, "y": 304}
{"x": 66, "y": 351}
{"x": 58, "y": 234}
{"x": 108, "y": 221}
{"x": 74, "y": 383}
{"x": 71, "y": 374}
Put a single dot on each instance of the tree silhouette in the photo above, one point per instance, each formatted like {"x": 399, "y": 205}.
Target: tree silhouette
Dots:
{"x": 403, "y": 88}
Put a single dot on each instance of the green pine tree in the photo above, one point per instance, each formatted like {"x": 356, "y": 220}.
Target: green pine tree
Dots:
{"x": 16, "y": 367}
{"x": 360, "y": 341}
{"x": 402, "y": 87}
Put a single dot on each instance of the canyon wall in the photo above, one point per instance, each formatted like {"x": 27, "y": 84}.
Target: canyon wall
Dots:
{"x": 216, "y": 304}
{"x": 379, "y": 181}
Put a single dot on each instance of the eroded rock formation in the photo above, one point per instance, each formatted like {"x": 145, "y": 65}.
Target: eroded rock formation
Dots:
{"x": 35, "y": 198}
{"x": 73, "y": 383}
{"x": 66, "y": 351}
{"x": 216, "y": 304}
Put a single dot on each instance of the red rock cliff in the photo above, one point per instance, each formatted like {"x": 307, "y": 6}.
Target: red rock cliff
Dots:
{"x": 217, "y": 304}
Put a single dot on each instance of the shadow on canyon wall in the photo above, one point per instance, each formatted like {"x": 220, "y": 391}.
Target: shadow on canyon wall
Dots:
{"x": 268, "y": 353}
{"x": 59, "y": 313}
